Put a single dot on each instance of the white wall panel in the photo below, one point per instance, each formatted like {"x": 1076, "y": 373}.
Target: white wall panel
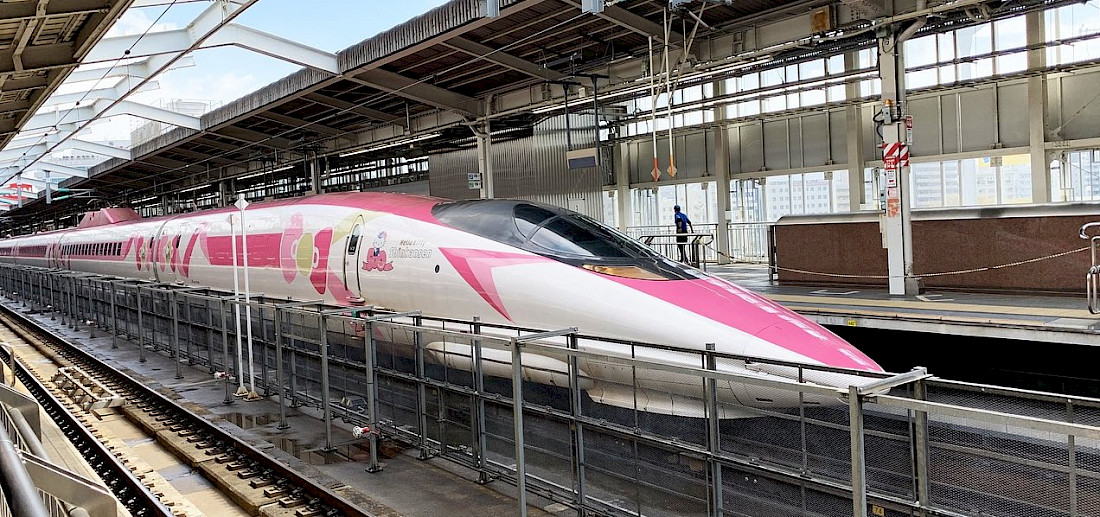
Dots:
{"x": 1080, "y": 110}
{"x": 777, "y": 147}
{"x": 976, "y": 119}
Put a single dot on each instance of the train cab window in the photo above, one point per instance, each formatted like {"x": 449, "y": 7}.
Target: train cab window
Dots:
{"x": 560, "y": 234}
{"x": 353, "y": 240}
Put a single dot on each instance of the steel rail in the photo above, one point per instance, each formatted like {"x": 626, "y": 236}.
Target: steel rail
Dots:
{"x": 316, "y": 491}
{"x": 138, "y": 499}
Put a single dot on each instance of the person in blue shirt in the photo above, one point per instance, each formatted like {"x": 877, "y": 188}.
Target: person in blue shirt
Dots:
{"x": 682, "y": 226}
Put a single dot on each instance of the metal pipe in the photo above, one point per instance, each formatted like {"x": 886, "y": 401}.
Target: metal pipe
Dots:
{"x": 517, "y": 425}
{"x": 236, "y": 307}
{"x": 20, "y": 491}
{"x": 370, "y": 354}
{"x": 859, "y": 465}
{"x": 140, "y": 330}
{"x": 279, "y": 367}
{"x": 176, "y": 333}
{"x": 325, "y": 405}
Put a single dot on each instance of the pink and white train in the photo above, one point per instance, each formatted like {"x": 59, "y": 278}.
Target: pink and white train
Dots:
{"x": 506, "y": 261}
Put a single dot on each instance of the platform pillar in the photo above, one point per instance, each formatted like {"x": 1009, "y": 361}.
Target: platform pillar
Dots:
{"x": 1036, "y": 109}
{"x": 485, "y": 160}
{"x": 622, "y": 187}
{"x": 898, "y": 221}
{"x": 853, "y": 116}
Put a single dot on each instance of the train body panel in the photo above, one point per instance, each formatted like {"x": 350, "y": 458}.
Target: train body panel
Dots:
{"x": 505, "y": 261}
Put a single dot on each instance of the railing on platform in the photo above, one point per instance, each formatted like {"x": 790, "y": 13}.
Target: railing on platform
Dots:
{"x": 745, "y": 242}
{"x": 688, "y": 248}
{"x": 455, "y": 390}
{"x": 1092, "y": 278}
{"x": 31, "y": 485}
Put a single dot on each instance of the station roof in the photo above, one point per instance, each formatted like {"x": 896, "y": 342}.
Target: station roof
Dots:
{"x": 451, "y": 58}
{"x": 447, "y": 58}
{"x": 42, "y": 41}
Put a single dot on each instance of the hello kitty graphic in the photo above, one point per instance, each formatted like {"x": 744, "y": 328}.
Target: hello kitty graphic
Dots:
{"x": 376, "y": 256}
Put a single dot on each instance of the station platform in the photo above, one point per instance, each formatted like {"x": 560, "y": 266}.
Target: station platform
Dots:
{"x": 1040, "y": 318}
{"x": 407, "y": 485}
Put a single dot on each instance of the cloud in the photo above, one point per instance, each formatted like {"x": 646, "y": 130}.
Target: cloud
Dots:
{"x": 137, "y": 21}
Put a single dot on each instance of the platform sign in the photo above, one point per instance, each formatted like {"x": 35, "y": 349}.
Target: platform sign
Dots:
{"x": 473, "y": 179}
{"x": 891, "y": 178}
{"x": 890, "y": 163}
{"x": 893, "y": 207}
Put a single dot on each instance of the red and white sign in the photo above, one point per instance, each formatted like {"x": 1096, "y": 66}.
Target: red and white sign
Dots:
{"x": 890, "y": 163}
{"x": 909, "y": 129}
{"x": 895, "y": 155}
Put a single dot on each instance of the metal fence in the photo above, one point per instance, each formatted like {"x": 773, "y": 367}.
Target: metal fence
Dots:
{"x": 458, "y": 390}
{"x": 31, "y": 485}
{"x": 745, "y": 242}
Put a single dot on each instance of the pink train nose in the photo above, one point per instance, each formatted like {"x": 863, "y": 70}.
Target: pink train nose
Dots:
{"x": 817, "y": 343}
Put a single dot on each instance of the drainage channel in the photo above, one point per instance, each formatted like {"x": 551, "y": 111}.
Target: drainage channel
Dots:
{"x": 256, "y": 481}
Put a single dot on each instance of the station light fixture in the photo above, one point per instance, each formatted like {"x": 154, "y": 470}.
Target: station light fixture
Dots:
{"x": 285, "y": 167}
{"x": 391, "y": 144}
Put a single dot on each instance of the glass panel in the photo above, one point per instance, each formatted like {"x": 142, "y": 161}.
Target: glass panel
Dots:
{"x": 841, "y": 192}
{"x": 815, "y": 193}
{"x": 927, "y": 184}
{"x": 952, "y": 194}
{"x": 1016, "y": 179}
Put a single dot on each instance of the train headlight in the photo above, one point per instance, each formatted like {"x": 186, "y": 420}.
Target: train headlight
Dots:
{"x": 634, "y": 272}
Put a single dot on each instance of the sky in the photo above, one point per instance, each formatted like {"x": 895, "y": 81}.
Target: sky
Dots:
{"x": 223, "y": 74}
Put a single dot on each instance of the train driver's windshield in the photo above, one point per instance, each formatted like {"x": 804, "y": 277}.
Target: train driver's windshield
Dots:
{"x": 557, "y": 233}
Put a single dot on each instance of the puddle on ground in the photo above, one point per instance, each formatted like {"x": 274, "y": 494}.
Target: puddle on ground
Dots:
{"x": 309, "y": 454}
{"x": 250, "y": 421}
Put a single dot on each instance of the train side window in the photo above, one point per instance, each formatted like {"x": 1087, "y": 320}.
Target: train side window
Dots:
{"x": 353, "y": 240}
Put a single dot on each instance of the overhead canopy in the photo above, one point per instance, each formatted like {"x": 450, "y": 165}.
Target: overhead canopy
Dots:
{"x": 41, "y": 42}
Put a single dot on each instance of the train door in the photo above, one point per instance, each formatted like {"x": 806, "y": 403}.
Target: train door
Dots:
{"x": 351, "y": 261}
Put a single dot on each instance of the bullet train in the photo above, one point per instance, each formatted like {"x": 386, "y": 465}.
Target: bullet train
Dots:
{"x": 506, "y": 261}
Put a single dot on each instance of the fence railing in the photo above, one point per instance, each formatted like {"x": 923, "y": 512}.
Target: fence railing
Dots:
{"x": 581, "y": 421}
{"x": 31, "y": 485}
{"x": 745, "y": 242}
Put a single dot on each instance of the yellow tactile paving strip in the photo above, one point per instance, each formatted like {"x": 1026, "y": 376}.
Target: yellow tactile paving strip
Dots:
{"x": 1048, "y": 313}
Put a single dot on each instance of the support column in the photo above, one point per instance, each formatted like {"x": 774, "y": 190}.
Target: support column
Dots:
{"x": 225, "y": 192}
{"x": 622, "y": 187}
{"x": 722, "y": 178}
{"x": 853, "y": 122}
{"x": 1036, "y": 110}
{"x": 898, "y": 224}
{"x": 315, "y": 176}
{"x": 485, "y": 159}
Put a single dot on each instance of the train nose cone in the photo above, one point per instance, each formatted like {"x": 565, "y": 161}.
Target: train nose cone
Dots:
{"x": 814, "y": 341}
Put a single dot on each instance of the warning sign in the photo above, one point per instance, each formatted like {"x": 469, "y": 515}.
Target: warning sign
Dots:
{"x": 909, "y": 129}
{"x": 890, "y": 163}
{"x": 893, "y": 207}
{"x": 895, "y": 155}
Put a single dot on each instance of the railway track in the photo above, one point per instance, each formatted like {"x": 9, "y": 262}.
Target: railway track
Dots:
{"x": 257, "y": 482}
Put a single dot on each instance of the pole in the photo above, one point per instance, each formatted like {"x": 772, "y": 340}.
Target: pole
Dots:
{"x": 517, "y": 427}
{"x": 241, "y": 391}
{"x": 252, "y": 395}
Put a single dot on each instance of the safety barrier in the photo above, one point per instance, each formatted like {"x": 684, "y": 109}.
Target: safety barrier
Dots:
{"x": 465, "y": 391}
{"x": 31, "y": 485}
{"x": 1092, "y": 278}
